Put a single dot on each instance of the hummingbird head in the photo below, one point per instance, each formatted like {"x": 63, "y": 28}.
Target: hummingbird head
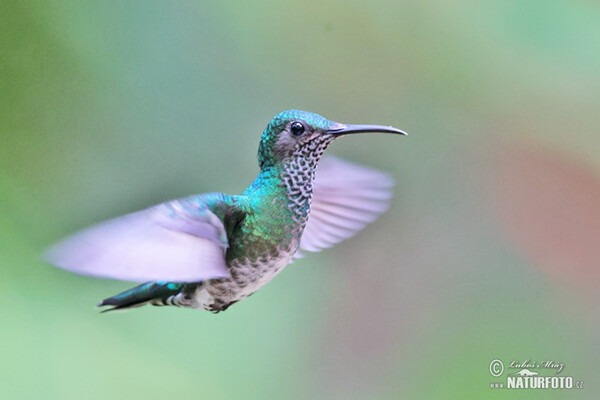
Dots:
{"x": 295, "y": 134}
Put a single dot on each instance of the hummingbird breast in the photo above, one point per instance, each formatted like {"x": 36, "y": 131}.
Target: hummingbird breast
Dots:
{"x": 263, "y": 244}
{"x": 266, "y": 240}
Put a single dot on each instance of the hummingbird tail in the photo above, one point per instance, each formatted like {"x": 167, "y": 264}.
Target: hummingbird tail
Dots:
{"x": 155, "y": 293}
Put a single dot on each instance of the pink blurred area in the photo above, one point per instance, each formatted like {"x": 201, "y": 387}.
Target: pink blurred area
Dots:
{"x": 548, "y": 202}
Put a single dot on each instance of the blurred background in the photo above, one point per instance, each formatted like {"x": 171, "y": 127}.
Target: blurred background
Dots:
{"x": 490, "y": 250}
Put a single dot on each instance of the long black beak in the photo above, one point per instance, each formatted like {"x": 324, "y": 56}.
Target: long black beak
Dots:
{"x": 338, "y": 129}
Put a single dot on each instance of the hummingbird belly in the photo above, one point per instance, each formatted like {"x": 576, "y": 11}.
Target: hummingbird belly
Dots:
{"x": 246, "y": 278}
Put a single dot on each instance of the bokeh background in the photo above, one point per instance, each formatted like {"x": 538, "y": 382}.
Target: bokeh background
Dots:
{"x": 491, "y": 248}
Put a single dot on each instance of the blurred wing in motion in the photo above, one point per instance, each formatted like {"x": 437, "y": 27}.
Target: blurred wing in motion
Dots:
{"x": 178, "y": 241}
{"x": 346, "y": 197}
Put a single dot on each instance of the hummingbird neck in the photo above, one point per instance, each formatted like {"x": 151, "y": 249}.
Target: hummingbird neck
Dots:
{"x": 284, "y": 186}
{"x": 295, "y": 176}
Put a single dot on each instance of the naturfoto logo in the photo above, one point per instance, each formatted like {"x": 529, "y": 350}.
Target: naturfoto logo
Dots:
{"x": 530, "y": 374}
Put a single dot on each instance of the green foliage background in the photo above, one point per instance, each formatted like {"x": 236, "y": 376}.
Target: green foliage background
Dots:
{"x": 109, "y": 107}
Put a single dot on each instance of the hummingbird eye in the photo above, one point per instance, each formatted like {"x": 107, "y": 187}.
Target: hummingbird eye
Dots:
{"x": 297, "y": 128}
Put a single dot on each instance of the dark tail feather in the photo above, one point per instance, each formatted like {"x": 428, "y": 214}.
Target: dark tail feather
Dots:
{"x": 141, "y": 295}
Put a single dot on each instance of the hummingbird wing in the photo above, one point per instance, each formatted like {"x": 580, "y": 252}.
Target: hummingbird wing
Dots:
{"x": 346, "y": 197}
{"x": 178, "y": 241}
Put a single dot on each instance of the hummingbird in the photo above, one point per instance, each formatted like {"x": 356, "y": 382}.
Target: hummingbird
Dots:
{"x": 208, "y": 251}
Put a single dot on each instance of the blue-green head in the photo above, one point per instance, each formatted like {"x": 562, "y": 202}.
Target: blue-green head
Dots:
{"x": 296, "y": 134}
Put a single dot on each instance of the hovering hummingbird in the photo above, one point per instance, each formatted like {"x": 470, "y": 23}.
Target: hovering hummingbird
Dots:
{"x": 211, "y": 250}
